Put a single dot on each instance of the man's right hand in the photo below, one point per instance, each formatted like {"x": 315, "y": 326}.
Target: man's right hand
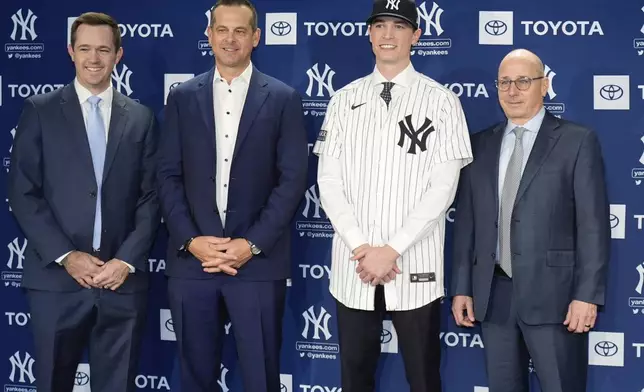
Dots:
{"x": 462, "y": 303}
{"x": 83, "y": 267}
{"x": 211, "y": 249}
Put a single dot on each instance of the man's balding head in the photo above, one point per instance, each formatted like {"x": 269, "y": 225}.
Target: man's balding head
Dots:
{"x": 527, "y": 56}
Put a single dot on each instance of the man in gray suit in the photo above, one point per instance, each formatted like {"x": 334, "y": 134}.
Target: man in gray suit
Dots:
{"x": 532, "y": 238}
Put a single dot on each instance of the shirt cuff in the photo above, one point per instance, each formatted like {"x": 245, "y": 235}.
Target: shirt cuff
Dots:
{"x": 129, "y": 266}
{"x": 354, "y": 238}
{"x": 61, "y": 258}
{"x": 400, "y": 242}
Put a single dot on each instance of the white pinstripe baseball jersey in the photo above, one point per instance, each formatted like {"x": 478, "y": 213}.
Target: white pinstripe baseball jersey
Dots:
{"x": 387, "y": 177}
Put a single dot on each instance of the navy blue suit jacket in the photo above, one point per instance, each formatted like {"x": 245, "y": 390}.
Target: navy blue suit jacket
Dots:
{"x": 267, "y": 177}
{"x": 560, "y": 223}
{"x": 52, "y": 188}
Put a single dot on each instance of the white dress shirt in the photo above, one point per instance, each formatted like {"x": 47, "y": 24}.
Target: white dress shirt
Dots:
{"x": 228, "y": 100}
{"x": 378, "y": 191}
{"x": 105, "y": 106}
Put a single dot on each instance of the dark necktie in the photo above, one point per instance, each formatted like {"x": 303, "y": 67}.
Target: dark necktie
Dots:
{"x": 386, "y": 92}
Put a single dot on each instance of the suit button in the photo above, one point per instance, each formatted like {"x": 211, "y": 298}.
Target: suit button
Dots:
{"x": 212, "y": 179}
{"x": 493, "y": 255}
{"x": 496, "y": 224}
{"x": 92, "y": 194}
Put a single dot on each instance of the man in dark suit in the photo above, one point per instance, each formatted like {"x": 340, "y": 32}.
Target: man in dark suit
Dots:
{"x": 232, "y": 171}
{"x": 532, "y": 238}
{"x": 82, "y": 188}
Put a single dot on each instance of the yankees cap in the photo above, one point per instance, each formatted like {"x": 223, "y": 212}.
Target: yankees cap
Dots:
{"x": 403, "y": 9}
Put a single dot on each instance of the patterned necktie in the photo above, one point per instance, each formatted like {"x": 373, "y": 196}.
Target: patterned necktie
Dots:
{"x": 508, "y": 196}
{"x": 386, "y": 92}
{"x": 97, "y": 144}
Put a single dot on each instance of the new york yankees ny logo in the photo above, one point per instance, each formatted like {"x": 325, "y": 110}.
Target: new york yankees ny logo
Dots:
{"x": 417, "y": 137}
{"x": 393, "y": 4}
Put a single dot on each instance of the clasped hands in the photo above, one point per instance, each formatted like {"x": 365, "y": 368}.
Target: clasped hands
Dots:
{"x": 89, "y": 271}
{"x": 376, "y": 264}
{"x": 221, "y": 254}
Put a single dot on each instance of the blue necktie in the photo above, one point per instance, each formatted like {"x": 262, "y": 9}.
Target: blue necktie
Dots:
{"x": 97, "y": 143}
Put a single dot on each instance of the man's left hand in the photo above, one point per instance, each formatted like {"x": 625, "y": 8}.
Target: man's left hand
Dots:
{"x": 112, "y": 275}
{"x": 581, "y": 316}
{"x": 238, "y": 247}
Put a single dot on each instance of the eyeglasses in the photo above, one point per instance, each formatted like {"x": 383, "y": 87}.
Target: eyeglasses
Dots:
{"x": 522, "y": 83}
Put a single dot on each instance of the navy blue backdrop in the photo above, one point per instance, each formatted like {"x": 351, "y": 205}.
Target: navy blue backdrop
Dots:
{"x": 594, "y": 52}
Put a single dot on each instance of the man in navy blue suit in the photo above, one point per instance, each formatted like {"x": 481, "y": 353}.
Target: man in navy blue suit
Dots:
{"x": 82, "y": 188}
{"x": 232, "y": 171}
{"x": 532, "y": 237}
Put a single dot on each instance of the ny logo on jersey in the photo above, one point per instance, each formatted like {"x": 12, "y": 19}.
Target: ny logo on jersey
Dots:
{"x": 122, "y": 80}
{"x": 324, "y": 80}
{"x": 312, "y": 198}
{"x": 393, "y": 4}
{"x": 16, "y": 251}
{"x": 417, "y": 137}
{"x": 24, "y": 366}
{"x": 320, "y": 323}
{"x": 433, "y": 18}
{"x": 25, "y": 23}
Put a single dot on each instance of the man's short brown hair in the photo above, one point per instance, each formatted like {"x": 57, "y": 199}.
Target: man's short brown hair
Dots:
{"x": 240, "y": 3}
{"x": 97, "y": 19}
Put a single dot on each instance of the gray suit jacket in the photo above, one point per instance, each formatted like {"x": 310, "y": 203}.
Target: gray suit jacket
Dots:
{"x": 560, "y": 225}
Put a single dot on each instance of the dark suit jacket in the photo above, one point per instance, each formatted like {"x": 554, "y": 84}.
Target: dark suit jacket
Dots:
{"x": 52, "y": 187}
{"x": 267, "y": 177}
{"x": 560, "y": 223}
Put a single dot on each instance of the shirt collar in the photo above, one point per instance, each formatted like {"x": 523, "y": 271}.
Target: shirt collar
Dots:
{"x": 532, "y": 125}
{"x": 84, "y": 94}
{"x": 244, "y": 77}
{"x": 405, "y": 78}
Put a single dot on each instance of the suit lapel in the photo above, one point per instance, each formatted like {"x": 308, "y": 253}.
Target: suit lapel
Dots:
{"x": 257, "y": 93}
{"x": 74, "y": 116}
{"x": 118, "y": 120}
{"x": 493, "y": 145}
{"x": 546, "y": 139}
{"x": 206, "y": 105}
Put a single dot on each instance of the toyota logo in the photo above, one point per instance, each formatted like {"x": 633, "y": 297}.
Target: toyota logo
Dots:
{"x": 385, "y": 336}
{"x": 614, "y": 221}
{"x": 283, "y": 388}
{"x": 81, "y": 379}
{"x": 169, "y": 325}
{"x": 611, "y": 92}
{"x": 281, "y": 28}
{"x": 606, "y": 348}
{"x": 496, "y": 27}
{"x": 175, "y": 84}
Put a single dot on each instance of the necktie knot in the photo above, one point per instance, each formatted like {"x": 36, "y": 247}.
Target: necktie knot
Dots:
{"x": 518, "y": 132}
{"x": 94, "y": 101}
{"x": 386, "y": 92}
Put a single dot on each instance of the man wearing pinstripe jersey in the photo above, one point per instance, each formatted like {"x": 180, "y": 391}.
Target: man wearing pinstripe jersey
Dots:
{"x": 391, "y": 148}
